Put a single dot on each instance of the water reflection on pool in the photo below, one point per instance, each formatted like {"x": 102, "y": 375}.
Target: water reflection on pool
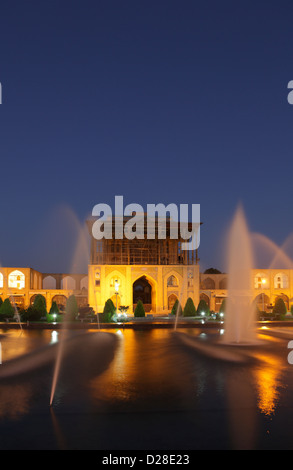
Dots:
{"x": 156, "y": 394}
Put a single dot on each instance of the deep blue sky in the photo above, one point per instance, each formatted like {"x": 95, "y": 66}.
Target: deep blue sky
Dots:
{"x": 159, "y": 101}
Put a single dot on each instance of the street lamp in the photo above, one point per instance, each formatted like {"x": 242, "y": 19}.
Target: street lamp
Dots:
{"x": 116, "y": 293}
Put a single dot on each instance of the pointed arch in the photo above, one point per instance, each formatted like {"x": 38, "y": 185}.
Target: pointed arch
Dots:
{"x": 285, "y": 298}
{"x": 68, "y": 283}
{"x": 172, "y": 281}
{"x": 147, "y": 279}
{"x": 208, "y": 284}
{"x": 175, "y": 276}
{"x": 171, "y": 301}
{"x": 16, "y": 280}
{"x": 261, "y": 281}
{"x": 84, "y": 283}
{"x": 49, "y": 282}
{"x": 281, "y": 281}
{"x": 206, "y": 298}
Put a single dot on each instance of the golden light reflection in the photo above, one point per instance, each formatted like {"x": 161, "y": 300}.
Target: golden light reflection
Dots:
{"x": 115, "y": 380}
{"x": 17, "y": 343}
{"x": 272, "y": 339}
{"x": 15, "y": 398}
{"x": 268, "y": 380}
{"x": 144, "y": 370}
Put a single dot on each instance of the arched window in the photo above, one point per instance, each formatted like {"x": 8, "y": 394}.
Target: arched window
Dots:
{"x": 223, "y": 283}
{"x": 97, "y": 278}
{"x": 33, "y": 298}
{"x": 208, "y": 284}
{"x": 172, "y": 281}
{"x": 1, "y": 280}
{"x": 262, "y": 301}
{"x": 16, "y": 280}
{"x": 261, "y": 281}
{"x": 17, "y": 301}
{"x": 171, "y": 301}
{"x": 68, "y": 283}
{"x": 205, "y": 298}
{"x": 190, "y": 279}
{"x": 142, "y": 290}
{"x": 115, "y": 281}
{"x": 84, "y": 283}
{"x": 60, "y": 301}
{"x": 281, "y": 281}
{"x": 49, "y": 282}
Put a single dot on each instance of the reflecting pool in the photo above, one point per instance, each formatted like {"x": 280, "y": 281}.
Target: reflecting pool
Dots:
{"x": 154, "y": 393}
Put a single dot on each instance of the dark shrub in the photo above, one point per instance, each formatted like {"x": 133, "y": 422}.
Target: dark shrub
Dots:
{"x": 189, "y": 309}
{"x": 54, "y": 308}
{"x": 40, "y": 305}
{"x": 177, "y": 308}
{"x": 108, "y": 312}
{"x": 203, "y": 308}
{"x": 31, "y": 314}
{"x": 6, "y": 310}
{"x": 139, "y": 310}
{"x": 280, "y": 307}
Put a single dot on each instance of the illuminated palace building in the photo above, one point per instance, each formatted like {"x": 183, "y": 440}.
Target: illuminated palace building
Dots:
{"x": 155, "y": 271}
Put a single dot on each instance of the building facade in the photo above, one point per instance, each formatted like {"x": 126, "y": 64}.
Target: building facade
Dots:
{"x": 21, "y": 285}
{"x": 156, "y": 271}
{"x": 268, "y": 285}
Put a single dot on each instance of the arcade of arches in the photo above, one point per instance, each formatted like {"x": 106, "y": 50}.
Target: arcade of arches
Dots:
{"x": 158, "y": 287}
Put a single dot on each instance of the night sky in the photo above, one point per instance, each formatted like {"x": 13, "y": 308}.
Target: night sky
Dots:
{"x": 158, "y": 101}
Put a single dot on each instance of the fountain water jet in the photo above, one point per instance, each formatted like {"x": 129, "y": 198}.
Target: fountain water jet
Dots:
{"x": 239, "y": 327}
{"x": 59, "y": 356}
{"x": 179, "y": 306}
{"x": 240, "y": 311}
{"x": 80, "y": 258}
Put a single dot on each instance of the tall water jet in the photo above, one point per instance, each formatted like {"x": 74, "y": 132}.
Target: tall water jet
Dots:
{"x": 179, "y": 306}
{"x": 57, "y": 367}
{"x": 80, "y": 258}
{"x": 240, "y": 311}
